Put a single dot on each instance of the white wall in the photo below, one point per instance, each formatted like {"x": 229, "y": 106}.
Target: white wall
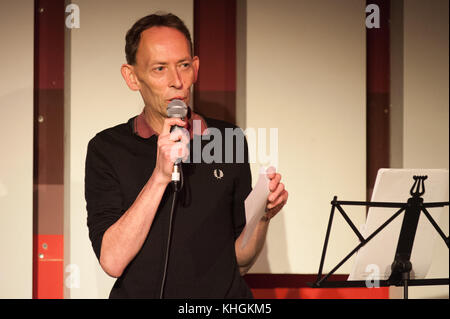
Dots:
{"x": 98, "y": 98}
{"x": 426, "y": 109}
{"x": 16, "y": 144}
{"x": 305, "y": 75}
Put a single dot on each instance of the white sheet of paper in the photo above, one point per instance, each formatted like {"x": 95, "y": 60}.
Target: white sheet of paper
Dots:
{"x": 255, "y": 205}
{"x": 393, "y": 185}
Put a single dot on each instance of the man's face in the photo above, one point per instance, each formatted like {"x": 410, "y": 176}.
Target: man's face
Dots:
{"x": 164, "y": 68}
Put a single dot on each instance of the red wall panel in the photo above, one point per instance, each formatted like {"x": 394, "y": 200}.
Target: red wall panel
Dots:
{"x": 48, "y": 267}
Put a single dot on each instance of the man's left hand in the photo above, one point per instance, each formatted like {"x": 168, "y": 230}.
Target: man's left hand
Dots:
{"x": 278, "y": 194}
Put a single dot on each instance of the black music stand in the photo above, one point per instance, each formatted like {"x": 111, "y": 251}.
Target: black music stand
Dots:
{"x": 401, "y": 266}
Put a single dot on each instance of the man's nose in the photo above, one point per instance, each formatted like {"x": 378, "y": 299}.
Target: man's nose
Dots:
{"x": 175, "y": 80}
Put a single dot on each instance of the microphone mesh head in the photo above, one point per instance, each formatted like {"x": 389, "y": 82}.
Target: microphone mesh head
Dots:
{"x": 177, "y": 108}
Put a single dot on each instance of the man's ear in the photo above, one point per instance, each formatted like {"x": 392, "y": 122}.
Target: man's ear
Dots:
{"x": 196, "y": 65}
{"x": 130, "y": 77}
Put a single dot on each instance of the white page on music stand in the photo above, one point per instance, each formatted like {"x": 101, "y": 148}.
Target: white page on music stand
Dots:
{"x": 393, "y": 185}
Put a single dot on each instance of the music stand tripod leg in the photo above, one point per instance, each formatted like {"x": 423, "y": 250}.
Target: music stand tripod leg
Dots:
{"x": 405, "y": 278}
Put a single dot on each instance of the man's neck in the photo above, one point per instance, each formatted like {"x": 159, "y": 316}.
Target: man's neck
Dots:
{"x": 154, "y": 119}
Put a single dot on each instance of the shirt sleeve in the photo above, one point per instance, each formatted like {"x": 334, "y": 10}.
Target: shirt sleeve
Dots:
{"x": 102, "y": 193}
{"x": 242, "y": 187}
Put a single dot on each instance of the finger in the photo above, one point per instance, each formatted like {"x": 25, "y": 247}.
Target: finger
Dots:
{"x": 185, "y": 138}
{"x": 183, "y": 145}
{"x": 170, "y": 140}
{"x": 166, "y": 151}
{"x": 177, "y": 152}
{"x": 274, "y": 195}
{"x": 271, "y": 171}
{"x": 275, "y": 204}
{"x": 274, "y": 182}
{"x": 185, "y": 154}
{"x": 180, "y": 149}
{"x": 280, "y": 202}
{"x": 169, "y": 122}
{"x": 179, "y": 134}
{"x": 164, "y": 140}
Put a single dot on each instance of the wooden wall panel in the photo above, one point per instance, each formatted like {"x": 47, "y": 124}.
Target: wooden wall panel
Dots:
{"x": 48, "y": 188}
{"x": 378, "y": 95}
{"x": 215, "y": 44}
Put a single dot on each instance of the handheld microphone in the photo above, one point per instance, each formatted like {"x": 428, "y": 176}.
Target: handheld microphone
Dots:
{"x": 176, "y": 109}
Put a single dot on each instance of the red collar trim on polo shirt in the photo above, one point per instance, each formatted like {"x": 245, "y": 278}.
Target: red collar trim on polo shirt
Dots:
{"x": 144, "y": 130}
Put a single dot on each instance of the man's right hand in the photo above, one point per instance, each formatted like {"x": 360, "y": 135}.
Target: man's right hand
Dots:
{"x": 123, "y": 240}
{"x": 171, "y": 146}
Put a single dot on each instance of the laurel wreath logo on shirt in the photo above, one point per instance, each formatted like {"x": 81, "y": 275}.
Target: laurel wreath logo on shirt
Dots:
{"x": 218, "y": 173}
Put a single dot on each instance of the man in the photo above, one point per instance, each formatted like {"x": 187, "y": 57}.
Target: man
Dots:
{"x": 128, "y": 174}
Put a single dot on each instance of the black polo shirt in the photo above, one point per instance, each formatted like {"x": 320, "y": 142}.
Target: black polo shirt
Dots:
{"x": 208, "y": 218}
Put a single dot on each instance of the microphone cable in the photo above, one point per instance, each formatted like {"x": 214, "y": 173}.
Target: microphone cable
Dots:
{"x": 177, "y": 186}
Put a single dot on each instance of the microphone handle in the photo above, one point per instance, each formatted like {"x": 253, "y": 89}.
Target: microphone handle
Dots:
{"x": 176, "y": 173}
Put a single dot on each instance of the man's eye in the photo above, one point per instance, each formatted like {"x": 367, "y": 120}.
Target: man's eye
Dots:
{"x": 159, "y": 69}
{"x": 186, "y": 65}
